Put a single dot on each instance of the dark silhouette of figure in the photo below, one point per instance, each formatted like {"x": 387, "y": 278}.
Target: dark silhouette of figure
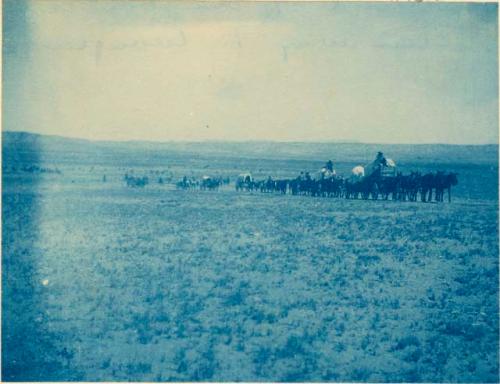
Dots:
{"x": 329, "y": 165}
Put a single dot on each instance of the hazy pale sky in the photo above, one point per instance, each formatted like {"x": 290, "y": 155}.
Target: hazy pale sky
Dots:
{"x": 153, "y": 70}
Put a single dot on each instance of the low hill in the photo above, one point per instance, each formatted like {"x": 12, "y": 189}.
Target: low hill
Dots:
{"x": 15, "y": 144}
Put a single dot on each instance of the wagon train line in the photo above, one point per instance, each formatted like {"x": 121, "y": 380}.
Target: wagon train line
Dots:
{"x": 378, "y": 179}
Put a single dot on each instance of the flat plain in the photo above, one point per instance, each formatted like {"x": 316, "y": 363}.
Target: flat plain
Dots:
{"x": 101, "y": 281}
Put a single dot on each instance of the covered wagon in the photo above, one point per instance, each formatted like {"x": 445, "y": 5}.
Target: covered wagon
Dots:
{"x": 385, "y": 167}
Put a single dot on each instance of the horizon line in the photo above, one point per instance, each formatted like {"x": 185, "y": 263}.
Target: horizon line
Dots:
{"x": 222, "y": 141}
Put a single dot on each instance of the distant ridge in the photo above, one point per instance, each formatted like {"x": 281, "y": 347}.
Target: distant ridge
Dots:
{"x": 25, "y": 135}
{"x": 13, "y": 141}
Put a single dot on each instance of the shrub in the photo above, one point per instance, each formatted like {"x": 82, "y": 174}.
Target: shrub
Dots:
{"x": 406, "y": 342}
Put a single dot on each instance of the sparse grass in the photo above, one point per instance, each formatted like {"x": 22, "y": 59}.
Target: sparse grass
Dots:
{"x": 173, "y": 285}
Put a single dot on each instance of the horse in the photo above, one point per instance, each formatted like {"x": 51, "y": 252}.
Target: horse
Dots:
{"x": 185, "y": 183}
{"x": 406, "y": 187}
{"x": 133, "y": 181}
{"x": 444, "y": 182}
{"x": 389, "y": 186}
{"x": 245, "y": 182}
{"x": 268, "y": 185}
{"x": 363, "y": 187}
{"x": 210, "y": 183}
{"x": 331, "y": 186}
{"x": 294, "y": 186}
{"x": 416, "y": 178}
{"x": 309, "y": 186}
{"x": 427, "y": 184}
{"x": 281, "y": 186}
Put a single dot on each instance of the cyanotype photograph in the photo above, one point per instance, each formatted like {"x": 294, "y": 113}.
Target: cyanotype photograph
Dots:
{"x": 229, "y": 191}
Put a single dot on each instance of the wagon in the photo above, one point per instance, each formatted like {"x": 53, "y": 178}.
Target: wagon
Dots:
{"x": 386, "y": 167}
{"x": 381, "y": 167}
{"x": 389, "y": 169}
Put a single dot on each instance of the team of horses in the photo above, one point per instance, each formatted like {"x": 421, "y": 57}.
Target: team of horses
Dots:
{"x": 411, "y": 187}
{"x": 205, "y": 183}
{"x": 415, "y": 186}
{"x": 134, "y": 181}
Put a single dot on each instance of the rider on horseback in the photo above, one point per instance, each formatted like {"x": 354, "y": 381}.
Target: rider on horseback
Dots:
{"x": 380, "y": 159}
{"x": 329, "y": 165}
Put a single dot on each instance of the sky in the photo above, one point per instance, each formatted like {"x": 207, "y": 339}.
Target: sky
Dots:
{"x": 194, "y": 71}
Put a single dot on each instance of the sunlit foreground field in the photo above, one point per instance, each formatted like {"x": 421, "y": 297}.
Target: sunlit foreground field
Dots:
{"x": 105, "y": 282}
